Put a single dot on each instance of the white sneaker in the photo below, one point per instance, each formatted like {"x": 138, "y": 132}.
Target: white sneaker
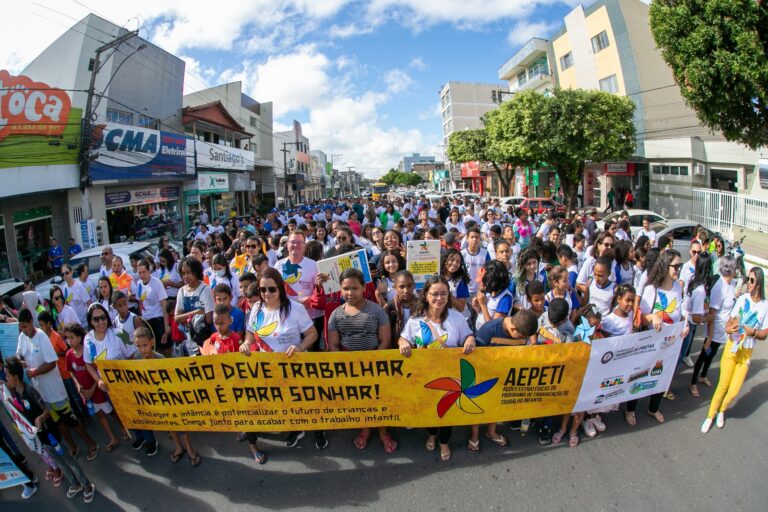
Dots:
{"x": 687, "y": 361}
{"x": 720, "y": 420}
{"x": 706, "y": 425}
{"x": 597, "y": 422}
{"x": 29, "y": 491}
{"x": 589, "y": 427}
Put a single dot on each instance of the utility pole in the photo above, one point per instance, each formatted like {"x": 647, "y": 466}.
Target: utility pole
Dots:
{"x": 285, "y": 171}
{"x": 86, "y": 131}
{"x": 333, "y": 155}
{"x": 351, "y": 179}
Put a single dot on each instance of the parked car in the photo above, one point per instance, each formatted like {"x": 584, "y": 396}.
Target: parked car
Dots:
{"x": 513, "y": 201}
{"x": 12, "y": 288}
{"x": 541, "y": 204}
{"x": 635, "y": 219}
{"x": 93, "y": 259}
{"x": 682, "y": 232}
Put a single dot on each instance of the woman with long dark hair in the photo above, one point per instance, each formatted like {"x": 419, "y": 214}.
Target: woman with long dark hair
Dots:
{"x": 167, "y": 272}
{"x": 454, "y": 271}
{"x": 695, "y": 300}
{"x": 436, "y": 325}
{"x": 220, "y": 272}
{"x": 748, "y": 324}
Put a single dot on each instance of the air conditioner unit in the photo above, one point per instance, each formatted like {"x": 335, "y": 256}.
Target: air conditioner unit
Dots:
{"x": 700, "y": 169}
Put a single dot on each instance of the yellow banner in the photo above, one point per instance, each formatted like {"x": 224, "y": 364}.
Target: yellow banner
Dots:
{"x": 323, "y": 391}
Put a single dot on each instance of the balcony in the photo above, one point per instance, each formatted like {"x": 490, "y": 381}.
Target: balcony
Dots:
{"x": 532, "y": 50}
{"x": 533, "y": 79}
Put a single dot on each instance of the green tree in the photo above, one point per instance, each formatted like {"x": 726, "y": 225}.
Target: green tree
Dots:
{"x": 390, "y": 177}
{"x": 718, "y": 52}
{"x": 566, "y": 129}
{"x": 471, "y": 145}
{"x": 408, "y": 179}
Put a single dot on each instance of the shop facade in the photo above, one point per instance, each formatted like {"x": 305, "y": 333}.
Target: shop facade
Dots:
{"x": 209, "y": 193}
{"x": 473, "y": 178}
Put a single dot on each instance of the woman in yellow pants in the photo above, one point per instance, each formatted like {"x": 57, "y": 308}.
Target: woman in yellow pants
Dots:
{"x": 748, "y": 324}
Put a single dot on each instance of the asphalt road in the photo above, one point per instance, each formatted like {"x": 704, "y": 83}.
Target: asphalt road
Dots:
{"x": 647, "y": 467}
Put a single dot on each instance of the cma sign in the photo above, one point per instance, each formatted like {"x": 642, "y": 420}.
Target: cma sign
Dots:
{"x": 125, "y": 146}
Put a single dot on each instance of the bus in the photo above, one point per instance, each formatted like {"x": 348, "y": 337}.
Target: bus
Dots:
{"x": 379, "y": 189}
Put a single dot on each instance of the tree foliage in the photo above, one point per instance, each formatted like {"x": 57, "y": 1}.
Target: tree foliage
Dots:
{"x": 471, "y": 145}
{"x": 718, "y": 52}
{"x": 393, "y": 177}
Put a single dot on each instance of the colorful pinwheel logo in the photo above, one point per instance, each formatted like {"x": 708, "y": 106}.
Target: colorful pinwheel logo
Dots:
{"x": 461, "y": 392}
{"x": 263, "y": 330}
{"x": 747, "y": 318}
{"x": 583, "y": 331}
{"x": 427, "y": 338}
{"x": 291, "y": 275}
{"x": 67, "y": 295}
{"x": 663, "y": 308}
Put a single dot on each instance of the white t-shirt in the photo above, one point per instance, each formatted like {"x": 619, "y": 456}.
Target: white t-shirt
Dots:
{"x": 199, "y": 298}
{"x": 614, "y": 325}
{"x": 750, "y": 314}
{"x": 276, "y": 332}
{"x": 587, "y": 271}
{"x": 111, "y": 348}
{"x": 651, "y": 234}
{"x": 233, "y": 283}
{"x": 696, "y": 303}
{"x": 77, "y": 297}
{"x": 668, "y": 303}
{"x": 37, "y": 351}
{"x": 424, "y": 333}
{"x": 67, "y": 315}
{"x": 300, "y": 278}
{"x": 686, "y": 274}
{"x": 722, "y": 297}
{"x": 601, "y": 297}
{"x": 169, "y": 276}
{"x": 150, "y": 294}
{"x": 460, "y": 226}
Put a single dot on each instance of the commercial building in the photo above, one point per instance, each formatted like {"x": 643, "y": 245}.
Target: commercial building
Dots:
{"x": 608, "y": 46}
{"x": 233, "y": 134}
{"x": 406, "y": 164}
{"x": 291, "y": 165}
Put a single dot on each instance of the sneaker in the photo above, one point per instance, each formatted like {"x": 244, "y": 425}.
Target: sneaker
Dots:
{"x": 706, "y": 425}
{"x": 589, "y": 427}
{"x": 321, "y": 440}
{"x": 152, "y": 449}
{"x": 687, "y": 361}
{"x": 545, "y": 435}
{"x": 720, "y": 420}
{"x": 74, "y": 490}
{"x": 597, "y": 422}
{"x": 524, "y": 426}
{"x": 293, "y": 439}
{"x": 88, "y": 493}
{"x": 29, "y": 491}
{"x": 515, "y": 425}
{"x": 137, "y": 444}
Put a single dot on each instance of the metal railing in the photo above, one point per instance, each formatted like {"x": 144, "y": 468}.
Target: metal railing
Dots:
{"x": 720, "y": 211}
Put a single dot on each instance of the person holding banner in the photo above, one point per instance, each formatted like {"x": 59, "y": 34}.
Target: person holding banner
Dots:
{"x": 747, "y": 325}
{"x": 661, "y": 303}
{"x": 278, "y": 324}
{"x": 437, "y": 325}
{"x": 360, "y": 324}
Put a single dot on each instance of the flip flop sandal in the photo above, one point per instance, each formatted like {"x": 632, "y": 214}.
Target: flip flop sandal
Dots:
{"x": 361, "y": 440}
{"x": 75, "y": 453}
{"x": 430, "y": 444}
{"x": 176, "y": 457}
{"x": 445, "y": 454}
{"x": 499, "y": 439}
{"x": 694, "y": 391}
{"x": 706, "y": 382}
{"x": 259, "y": 456}
{"x": 111, "y": 447}
{"x": 657, "y": 415}
{"x": 49, "y": 475}
{"x": 670, "y": 395}
{"x": 558, "y": 436}
{"x": 390, "y": 445}
{"x": 573, "y": 440}
{"x": 93, "y": 453}
{"x": 630, "y": 417}
{"x": 57, "y": 479}
{"x": 474, "y": 446}
{"x": 196, "y": 460}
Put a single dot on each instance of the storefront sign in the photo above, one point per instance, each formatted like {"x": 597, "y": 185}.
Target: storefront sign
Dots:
{"x": 88, "y": 233}
{"x": 215, "y": 156}
{"x": 213, "y": 182}
{"x": 620, "y": 169}
{"x": 470, "y": 170}
{"x": 121, "y": 198}
{"x": 239, "y": 182}
{"x": 133, "y": 152}
{"x": 31, "y": 108}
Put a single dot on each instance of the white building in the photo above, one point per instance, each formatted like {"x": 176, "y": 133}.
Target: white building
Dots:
{"x": 462, "y": 104}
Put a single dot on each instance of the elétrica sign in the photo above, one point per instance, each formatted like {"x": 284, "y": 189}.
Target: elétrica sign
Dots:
{"x": 133, "y": 152}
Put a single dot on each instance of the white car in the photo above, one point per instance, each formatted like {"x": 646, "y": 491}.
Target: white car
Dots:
{"x": 513, "y": 201}
{"x": 635, "y": 219}
{"x": 682, "y": 232}
{"x": 93, "y": 259}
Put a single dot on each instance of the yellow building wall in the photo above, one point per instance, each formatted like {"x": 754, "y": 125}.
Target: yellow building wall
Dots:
{"x": 560, "y": 47}
{"x": 607, "y": 61}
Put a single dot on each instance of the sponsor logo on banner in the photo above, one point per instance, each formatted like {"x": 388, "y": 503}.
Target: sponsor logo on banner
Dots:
{"x": 642, "y": 386}
{"x": 667, "y": 342}
{"x": 613, "y": 381}
{"x": 31, "y": 108}
{"x": 606, "y": 357}
{"x": 608, "y": 396}
{"x": 658, "y": 368}
{"x": 461, "y": 392}
{"x": 638, "y": 375}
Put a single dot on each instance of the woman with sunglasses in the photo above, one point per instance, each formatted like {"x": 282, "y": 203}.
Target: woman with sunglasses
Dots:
{"x": 62, "y": 313}
{"x": 75, "y": 294}
{"x": 661, "y": 303}
{"x": 603, "y": 247}
{"x": 167, "y": 272}
{"x": 435, "y": 324}
{"x": 103, "y": 344}
{"x": 748, "y": 323}
{"x": 278, "y": 324}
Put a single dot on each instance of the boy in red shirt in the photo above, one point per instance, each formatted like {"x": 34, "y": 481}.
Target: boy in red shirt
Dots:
{"x": 224, "y": 340}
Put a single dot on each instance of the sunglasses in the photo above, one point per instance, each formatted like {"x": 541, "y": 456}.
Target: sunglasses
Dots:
{"x": 58, "y": 297}
{"x": 252, "y": 246}
{"x": 270, "y": 289}
{"x": 106, "y": 254}
{"x": 676, "y": 266}
{"x": 694, "y": 253}
{"x": 66, "y": 273}
{"x": 752, "y": 280}
{"x": 100, "y": 318}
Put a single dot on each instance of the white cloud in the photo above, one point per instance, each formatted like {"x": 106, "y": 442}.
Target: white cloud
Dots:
{"x": 435, "y": 110}
{"x": 347, "y": 31}
{"x": 417, "y": 63}
{"x": 523, "y": 31}
{"x": 466, "y": 13}
{"x": 397, "y": 81}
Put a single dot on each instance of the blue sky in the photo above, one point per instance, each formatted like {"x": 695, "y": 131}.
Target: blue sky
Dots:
{"x": 362, "y": 77}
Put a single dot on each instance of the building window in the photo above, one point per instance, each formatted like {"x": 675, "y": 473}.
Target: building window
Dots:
{"x": 672, "y": 170}
{"x": 656, "y": 169}
{"x": 252, "y": 121}
{"x": 522, "y": 77}
{"x": 147, "y": 122}
{"x": 118, "y": 116}
{"x": 609, "y": 84}
{"x": 566, "y": 61}
{"x": 683, "y": 170}
{"x": 600, "y": 42}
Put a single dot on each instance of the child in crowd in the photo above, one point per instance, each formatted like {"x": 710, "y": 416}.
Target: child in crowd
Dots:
{"x": 145, "y": 349}
{"x": 125, "y": 321}
{"x": 555, "y": 326}
{"x": 246, "y": 280}
{"x": 222, "y": 294}
{"x": 399, "y": 308}
{"x": 600, "y": 287}
{"x": 494, "y": 299}
{"x": 224, "y": 340}
{"x": 534, "y": 292}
